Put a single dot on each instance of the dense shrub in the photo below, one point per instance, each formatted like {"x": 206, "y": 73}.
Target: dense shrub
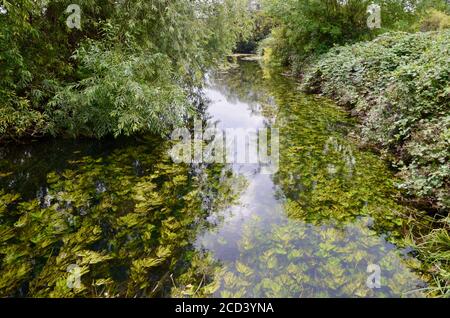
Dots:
{"x": 434, "y": 20}
{"x": 398, "y": 85}
{"x": 305, "y": 28}
{"x": 261, "y": 26}
{"x": 131, "y": 67}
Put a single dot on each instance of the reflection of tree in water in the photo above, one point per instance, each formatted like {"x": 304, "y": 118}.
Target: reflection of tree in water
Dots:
{"x": 127, "y": 216}
{"x": 245, "y": 84}
{"x": 341, "y": 214}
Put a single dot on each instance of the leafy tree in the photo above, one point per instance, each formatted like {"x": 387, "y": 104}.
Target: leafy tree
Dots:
{"x": 307, "y": 27}
{"x": 434, "y": 20}
{"x": 261, "y": 28}
{"x": 132, "y": 66}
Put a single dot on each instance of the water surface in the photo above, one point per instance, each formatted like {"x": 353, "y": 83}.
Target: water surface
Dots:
{"x": 136, "y": 224}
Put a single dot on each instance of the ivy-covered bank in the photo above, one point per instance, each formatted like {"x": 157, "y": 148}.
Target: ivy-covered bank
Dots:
{"x": 398, "y": 85}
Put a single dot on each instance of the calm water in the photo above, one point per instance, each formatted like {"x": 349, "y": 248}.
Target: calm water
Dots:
{"x": 133, "y": 223}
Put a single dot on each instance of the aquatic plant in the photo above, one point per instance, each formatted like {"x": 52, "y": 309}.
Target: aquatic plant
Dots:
{"x": 126, "y": 220}
{"x": 398, "y": 87}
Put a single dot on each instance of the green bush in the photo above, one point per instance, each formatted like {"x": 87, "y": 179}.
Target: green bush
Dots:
{"x": 434, "y": 20}
{"x": 123, "y": 94}
{"x": 398, "y": 85}
{"x": 132, "y": 66}
{"x": 305, "y": 28}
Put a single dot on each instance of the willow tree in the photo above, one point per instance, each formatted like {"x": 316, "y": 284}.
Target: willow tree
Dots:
{"x": 128, "y": 68}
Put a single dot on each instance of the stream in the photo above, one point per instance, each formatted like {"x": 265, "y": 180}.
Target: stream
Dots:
{"x": 131, "y": 222}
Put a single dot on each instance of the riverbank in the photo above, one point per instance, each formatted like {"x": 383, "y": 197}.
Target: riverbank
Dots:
{"x": 398, "y": 87}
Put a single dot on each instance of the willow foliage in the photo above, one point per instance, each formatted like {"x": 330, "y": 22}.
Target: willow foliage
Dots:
{"x": 129, "y": 68}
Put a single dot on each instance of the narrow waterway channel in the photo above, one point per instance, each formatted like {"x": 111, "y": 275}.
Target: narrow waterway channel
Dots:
{"x": 137, "y": 224}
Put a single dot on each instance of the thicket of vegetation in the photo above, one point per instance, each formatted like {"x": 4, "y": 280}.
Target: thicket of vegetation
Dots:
{"x": 304, "y": 29}
{"x": 398, "y": 85}
{"x": 131, "y": 67}
{"x": 136, "y": 66}
{"x": 261, "y": 27}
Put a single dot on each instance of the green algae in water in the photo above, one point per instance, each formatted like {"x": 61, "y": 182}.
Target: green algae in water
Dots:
{"x": 138, "y": 225}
